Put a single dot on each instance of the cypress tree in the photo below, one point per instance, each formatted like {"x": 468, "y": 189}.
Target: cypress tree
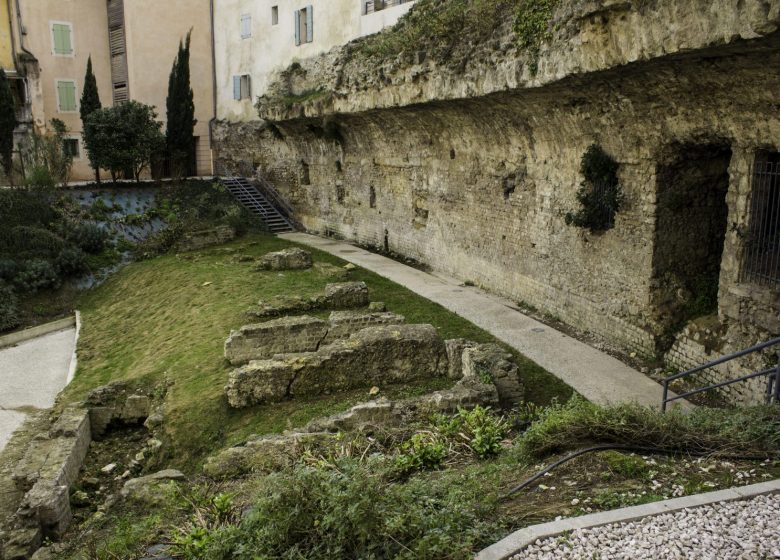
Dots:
{"x": 180, "y": 107}
{"x": 90, "y": 102}
{"x": 7, "y": 126}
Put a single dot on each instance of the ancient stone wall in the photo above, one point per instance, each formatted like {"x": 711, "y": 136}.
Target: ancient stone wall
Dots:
{"x": 472, "y": 168}
{"x": 298, "y": 334}
{"x": 382, "y": 355}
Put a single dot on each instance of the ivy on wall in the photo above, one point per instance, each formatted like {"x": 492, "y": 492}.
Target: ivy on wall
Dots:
{"x": 599, "y": 195}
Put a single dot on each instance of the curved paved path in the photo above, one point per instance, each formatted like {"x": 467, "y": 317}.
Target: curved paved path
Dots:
{"x": 597, "y": 376}
{"x": 32, "y": 373}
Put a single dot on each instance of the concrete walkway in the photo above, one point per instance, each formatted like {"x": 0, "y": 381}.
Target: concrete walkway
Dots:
{"x": 31, "y": 375}
{"x": 597, "y": 376}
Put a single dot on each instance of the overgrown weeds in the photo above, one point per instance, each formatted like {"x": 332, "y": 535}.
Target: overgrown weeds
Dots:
{"x": 748, "y": 431}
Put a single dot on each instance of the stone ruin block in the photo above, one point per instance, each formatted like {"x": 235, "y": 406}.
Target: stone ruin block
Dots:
{"x": 116, "y": 402}
{"x": 58, "y": 457}
{"x": 346, "y": 295}
{"x": 196, "y": 240}
{"x": 380, "y": 356}
{"x": 493, "y": 363}
{"x": 298, "y": 334}
{"x": 287, "y": 259}
{"x": 343, "y": 324}
{"x": 339, "y": 295}
{"x": 278, "y": 336}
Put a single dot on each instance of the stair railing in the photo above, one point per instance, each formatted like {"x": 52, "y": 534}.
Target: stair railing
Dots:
{"x": 270, "y": 192}
{"x": 772, "y": 374}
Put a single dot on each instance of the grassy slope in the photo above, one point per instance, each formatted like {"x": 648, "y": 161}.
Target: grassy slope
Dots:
{"x": 156, "y": 321}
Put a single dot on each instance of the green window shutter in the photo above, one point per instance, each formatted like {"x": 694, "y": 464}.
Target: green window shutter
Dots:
{"x": 62, "y": 39}
{"x": 66, "y": 95}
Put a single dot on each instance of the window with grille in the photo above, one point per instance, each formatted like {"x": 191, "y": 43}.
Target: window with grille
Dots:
{"x": 246, "y": 26}
{"x": 62, "y": 38}
{"x": 66, "y": 96}
{"x": 761, "y": 263}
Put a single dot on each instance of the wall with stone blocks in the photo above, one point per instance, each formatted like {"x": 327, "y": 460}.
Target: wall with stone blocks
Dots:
{"x": 298, "y": 334}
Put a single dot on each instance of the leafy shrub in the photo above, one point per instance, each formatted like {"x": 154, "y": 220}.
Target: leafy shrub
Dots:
{"x": 351, "y": 511}
{"x": 482, "y": 430}
{"x": 37, "y": 274}
{"x": 30, "y": 241}
{"x": 579, "y": 423}
{"x": 8, "y": 270}
{"x": 90, "y": 238}
{"x": 423, "y": 451}
{"x": 39, "y": 176}
{"x": 9, "y": 308}
{"x": 71, "y": 261}
{"x": 25, "y": 207}
{"x": 600, "y": 195}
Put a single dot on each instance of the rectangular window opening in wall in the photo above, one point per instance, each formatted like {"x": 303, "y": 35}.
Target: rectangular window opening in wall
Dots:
{"x": 62, "y": 38}
{"x": 242, "y": 87}
{"x": 246, "y": 26}
{"x": 71, "y": 147}
{"x": 371, "y": 6}
{"x": 761, "y": 259}
{"x": 304, "y": 25}
{"x": 274, "y": 15}
{"x": 66, "y": 96}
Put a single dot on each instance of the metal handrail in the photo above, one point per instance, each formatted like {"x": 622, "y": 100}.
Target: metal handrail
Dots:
{"x": 773, "y": 374}
{"x": 280, "y": 202}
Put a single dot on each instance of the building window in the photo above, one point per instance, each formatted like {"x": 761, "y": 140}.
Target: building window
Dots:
{"x": 71, "y": 147}
{"x": 66, "y": 96}
{"x": 371, "y": 6}
{"x": 242, "y": 87}
{"x": 274, "y": 15}
{"x": 246, "y": 26}
{"x": 304, "y": 25}
{"x": 62, "y": 38}
{"x": 761, "y": 264}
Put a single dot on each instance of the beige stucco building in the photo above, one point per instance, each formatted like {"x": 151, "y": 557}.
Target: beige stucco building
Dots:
{"x": 256, "y": 38}
{"x": 132, "y": 44}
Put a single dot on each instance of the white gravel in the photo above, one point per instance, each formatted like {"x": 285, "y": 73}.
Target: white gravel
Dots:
{"x": 743, "y": 530}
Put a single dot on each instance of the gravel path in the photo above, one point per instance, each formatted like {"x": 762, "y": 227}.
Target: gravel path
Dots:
{"x": 743, "y": 530}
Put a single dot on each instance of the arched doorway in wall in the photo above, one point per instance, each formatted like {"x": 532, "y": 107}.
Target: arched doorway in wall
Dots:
{"x": 690, "y": 230}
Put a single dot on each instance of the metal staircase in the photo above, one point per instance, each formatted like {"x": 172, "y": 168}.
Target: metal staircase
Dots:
{"x": 264, "y": 202}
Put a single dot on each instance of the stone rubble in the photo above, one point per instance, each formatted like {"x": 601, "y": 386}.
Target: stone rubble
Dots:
{"x": 739, "y": 530}
{"x": 286, "y": 259}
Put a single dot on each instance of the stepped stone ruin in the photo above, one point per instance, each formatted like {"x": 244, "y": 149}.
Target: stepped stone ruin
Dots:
{"x": 379, "y": 355}
{"x": 287, "y": 259}
{"x": 476, "y": 385}
{"x": 298, "y": 334}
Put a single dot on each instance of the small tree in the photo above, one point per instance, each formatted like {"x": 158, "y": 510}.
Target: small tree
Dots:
{"x": 180, "y": 107}
{"x": 123, "y": 138}
{"x": 90, "y": 102}
{"x": 7, "y": 126}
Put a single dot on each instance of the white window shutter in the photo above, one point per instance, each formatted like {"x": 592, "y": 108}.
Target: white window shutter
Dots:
{"x": 246, "y": 26}
{"x": 237, "y": 87}
{"x": 309, "y": 23}
{"x": 297, "y": 27}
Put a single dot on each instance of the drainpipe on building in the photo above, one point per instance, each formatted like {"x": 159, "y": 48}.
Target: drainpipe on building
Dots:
{"x": 21, "y": 28}
{"x": 213, "y": 119}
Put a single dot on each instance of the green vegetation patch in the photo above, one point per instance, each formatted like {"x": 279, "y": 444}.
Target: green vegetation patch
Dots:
{"x": 163, "y": 321}
{"x": 438, "y": 26}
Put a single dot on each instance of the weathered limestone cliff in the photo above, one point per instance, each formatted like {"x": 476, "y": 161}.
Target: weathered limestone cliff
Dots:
{"x": 467, "y": 156}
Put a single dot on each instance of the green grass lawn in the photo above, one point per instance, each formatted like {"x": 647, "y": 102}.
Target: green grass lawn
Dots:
{"x": 164, "y": 321}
